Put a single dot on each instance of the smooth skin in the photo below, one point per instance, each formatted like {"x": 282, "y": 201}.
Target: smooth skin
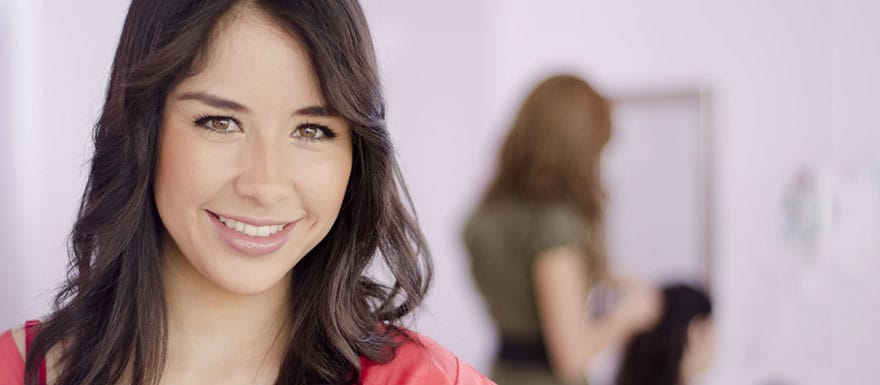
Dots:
{"x": 270, "y": 154}
{"x": 247, "y": 136}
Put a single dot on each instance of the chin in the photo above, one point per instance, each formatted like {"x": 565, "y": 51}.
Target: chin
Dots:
{"x": 243, "y": 286}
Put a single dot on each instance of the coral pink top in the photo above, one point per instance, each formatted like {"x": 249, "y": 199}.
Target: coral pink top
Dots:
{"x": 419, "y": 363}
{"x": 416, "y": 363}
{"x": 11, "y": 364}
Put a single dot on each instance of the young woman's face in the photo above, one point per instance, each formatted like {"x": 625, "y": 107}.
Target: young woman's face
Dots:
{"x": 252, "y": 170}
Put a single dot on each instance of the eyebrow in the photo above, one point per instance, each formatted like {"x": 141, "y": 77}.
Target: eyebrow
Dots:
{"x": 226, "y": 104}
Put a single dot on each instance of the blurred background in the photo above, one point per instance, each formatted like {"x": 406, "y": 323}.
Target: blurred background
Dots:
{"x": 745, "y": 154}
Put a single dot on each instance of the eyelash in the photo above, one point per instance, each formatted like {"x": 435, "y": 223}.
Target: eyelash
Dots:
{"x": 326, "y": 131}
{"x": 203, "y": 120}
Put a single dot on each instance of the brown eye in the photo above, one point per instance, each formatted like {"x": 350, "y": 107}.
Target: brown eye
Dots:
{"x": 218, "y": 124}
{"x": 312, "y": 132}
{"x": 309, "y": 132}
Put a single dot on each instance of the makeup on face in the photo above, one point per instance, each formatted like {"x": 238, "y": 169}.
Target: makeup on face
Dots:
{"x": 253, "y": 237}
{"x": 253, "y": 164}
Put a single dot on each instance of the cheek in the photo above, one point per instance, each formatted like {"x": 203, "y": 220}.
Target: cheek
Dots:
{"x": 323, "y": 185}
{"x": 186, "y": 176}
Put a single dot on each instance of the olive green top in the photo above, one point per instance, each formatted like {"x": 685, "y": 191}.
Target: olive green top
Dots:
{"x": 503, "y": 238}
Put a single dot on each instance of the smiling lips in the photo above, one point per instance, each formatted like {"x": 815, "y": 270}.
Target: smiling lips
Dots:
{"x": 252, "y": 230}
{"x": 252, "y": 239}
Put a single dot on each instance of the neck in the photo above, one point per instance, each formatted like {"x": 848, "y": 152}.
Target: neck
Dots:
{"x": 209, "y": 327}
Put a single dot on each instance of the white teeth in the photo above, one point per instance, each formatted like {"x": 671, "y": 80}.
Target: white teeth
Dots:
{"x": 254, "y": 231}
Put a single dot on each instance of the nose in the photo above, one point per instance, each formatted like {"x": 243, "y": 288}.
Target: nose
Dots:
{"x": 265, "y": 176}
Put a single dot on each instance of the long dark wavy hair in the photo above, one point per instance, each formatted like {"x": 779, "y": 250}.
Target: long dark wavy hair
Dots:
{"x": 654, "y": 357}
{"x": 109, "y": 319}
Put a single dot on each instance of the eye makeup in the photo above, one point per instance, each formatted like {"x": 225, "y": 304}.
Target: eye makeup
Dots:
{"x": 228, "y": 125}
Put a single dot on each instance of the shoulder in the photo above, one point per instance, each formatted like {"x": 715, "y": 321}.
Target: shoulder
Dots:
{"x": 11, "y": 353}
{"x": 556, "y": 224}
{"x": 496, "y": 218}
{"x": 421, "y": 360}
{"x": 16, "y": 338}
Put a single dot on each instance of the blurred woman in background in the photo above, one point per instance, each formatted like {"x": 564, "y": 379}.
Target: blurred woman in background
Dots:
{"x": 536, "y": 241}
{"x": 677, "y": 348}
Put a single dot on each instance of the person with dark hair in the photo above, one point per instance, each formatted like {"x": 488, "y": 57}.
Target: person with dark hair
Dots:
{"x": 243, "y": 182}
{"x": 536, "y": 241}
{"x": 677, "y": 347}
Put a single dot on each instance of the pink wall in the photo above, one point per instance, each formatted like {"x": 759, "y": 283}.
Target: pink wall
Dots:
{"x": 22, "y": 96}
{"x": 10, "y": 286}
{"x": 435, "y": 69}
{"x": 61, "y": 54}
{"x": 855, "y": 90}
{"x": 769, "y": 72}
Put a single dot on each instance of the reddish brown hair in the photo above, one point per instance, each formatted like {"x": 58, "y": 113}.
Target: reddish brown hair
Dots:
{"x": 553, "y": 151}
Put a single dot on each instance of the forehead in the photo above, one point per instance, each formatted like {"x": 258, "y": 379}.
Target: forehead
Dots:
{"x": 251, "y": 57}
